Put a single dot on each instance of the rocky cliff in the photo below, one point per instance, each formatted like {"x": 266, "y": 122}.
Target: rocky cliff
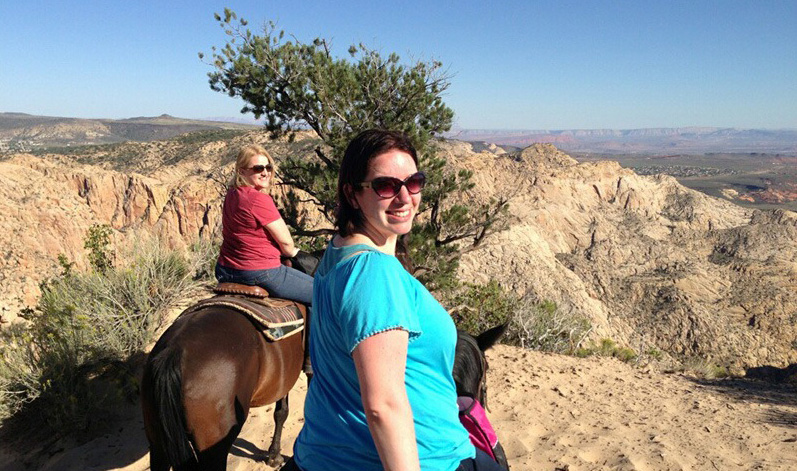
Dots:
{"x": 653, "y": 264}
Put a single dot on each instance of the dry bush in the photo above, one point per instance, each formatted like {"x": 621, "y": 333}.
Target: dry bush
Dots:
{"x": 68, "y": 364}
{"x": 542, "y": 326}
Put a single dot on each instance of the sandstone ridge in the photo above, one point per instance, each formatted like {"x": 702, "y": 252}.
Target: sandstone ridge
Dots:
{"x": 653, "y": 264}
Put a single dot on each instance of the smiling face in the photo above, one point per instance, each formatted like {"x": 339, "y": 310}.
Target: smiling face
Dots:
{"x": 259, "y": 180}
{"x": 387, "y": 218}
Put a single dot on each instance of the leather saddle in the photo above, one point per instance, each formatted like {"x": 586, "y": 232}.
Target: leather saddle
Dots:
{"x": 276, "y": 318}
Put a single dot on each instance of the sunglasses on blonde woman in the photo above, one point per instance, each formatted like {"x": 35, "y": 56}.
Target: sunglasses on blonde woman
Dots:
{"x": 260, "y": 168}
{"x": 388, "y": 187}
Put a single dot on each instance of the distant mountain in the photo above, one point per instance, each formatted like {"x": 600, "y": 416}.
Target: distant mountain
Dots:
{"x": 24, "y": 132}
{"x": 690, "y": 140}
{"x": 236, "y": 119}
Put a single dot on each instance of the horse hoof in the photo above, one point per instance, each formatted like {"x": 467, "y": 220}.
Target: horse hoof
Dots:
{"x": 275, "y": 462}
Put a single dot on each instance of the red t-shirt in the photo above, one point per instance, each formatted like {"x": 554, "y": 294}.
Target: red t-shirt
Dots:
{"x": 247, "y": 244}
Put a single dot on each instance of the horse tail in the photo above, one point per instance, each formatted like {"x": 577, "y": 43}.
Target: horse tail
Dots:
{"x": 168, "y": 404}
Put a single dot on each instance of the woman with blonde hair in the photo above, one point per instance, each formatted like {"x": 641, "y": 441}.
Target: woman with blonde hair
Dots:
{"x": 255, "y": 235}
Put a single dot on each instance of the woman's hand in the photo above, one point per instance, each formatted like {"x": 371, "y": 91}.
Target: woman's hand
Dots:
{"x": 380, "y": 361}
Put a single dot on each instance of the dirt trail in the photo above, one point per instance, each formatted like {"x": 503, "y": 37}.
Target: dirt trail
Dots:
{"x": 551, "y": 412}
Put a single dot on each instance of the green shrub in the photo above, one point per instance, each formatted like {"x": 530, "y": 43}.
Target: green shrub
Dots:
{"x": 704, "y": 368}
{"x": 608, "y": 348}
{"x": 542, "y": 326}
{"x": 68, "y": 363}
{"x": 98, "y": 245}
{"x": 654, "y": 353}
{"x": 625, "y": 354}
{"x": 476, "y": 308}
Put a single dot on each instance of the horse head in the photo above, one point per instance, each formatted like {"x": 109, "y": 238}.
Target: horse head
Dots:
{"x": 303, "y": 261}
{"x": 470, "y": 364}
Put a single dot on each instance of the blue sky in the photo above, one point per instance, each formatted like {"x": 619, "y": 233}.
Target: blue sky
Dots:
{"x": 514, "y": 64}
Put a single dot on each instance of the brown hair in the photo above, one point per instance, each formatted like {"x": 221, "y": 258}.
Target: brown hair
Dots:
{"x": 360, "y": 152}
{"x": 242, "y": 161}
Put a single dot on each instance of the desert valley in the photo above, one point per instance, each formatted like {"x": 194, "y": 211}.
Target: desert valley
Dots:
{"x": 679, "y": 276}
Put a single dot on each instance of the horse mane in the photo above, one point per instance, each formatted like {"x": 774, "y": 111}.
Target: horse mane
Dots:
{"x": 468, "y": 370}
{"x": 470, "y": 366}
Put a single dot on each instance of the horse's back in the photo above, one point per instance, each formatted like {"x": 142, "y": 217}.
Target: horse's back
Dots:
{"x": 202, "y": 376}
{"x": 215, "y": 344}
{"x": 215, "y": 355}
{"x": 223, "y": 351}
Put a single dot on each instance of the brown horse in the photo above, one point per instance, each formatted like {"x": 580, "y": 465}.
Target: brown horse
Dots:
{"x": 200, "y": 380}
{"x": 214, "y": 363}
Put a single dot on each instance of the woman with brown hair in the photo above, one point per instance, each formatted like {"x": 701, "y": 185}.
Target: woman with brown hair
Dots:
{"x": 382, "y": 396}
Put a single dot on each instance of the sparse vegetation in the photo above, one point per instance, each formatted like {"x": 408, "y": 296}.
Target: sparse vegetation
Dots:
{"x": 135, "y": 155}
{"x": 542, "y": 326}
{"x": 206, "y": 253}
{"x": 475, "y": 308}
{"x": 68, "y": 363}
{"x": 704, "y": 368}
{"x": 210, "y": 135}
{"x": 608, "y": 348}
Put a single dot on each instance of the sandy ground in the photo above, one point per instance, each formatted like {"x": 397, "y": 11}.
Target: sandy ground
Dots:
{"x": 552, "y": 413}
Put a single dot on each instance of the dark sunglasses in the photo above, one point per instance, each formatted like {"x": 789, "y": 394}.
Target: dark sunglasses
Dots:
{"x": 260, "y": 168}
{"x": 388, "y": 187}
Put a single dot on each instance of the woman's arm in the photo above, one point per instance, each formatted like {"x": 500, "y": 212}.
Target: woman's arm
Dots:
{"x": 279, "y": 231}
{"x": 380, "y": 361}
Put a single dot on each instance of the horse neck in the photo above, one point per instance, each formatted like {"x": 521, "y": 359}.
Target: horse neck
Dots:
{"x": 469, "y": 367}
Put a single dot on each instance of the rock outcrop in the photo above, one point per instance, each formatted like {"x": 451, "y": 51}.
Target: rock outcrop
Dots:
{"x": 653, "y": 264}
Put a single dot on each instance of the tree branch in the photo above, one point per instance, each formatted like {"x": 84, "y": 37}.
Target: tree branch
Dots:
{"x": 320, "y": 153}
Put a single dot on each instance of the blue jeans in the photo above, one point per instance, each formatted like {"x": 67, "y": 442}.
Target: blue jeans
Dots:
{"x": 281, "y": 282}
{"x": 482, "y": 462}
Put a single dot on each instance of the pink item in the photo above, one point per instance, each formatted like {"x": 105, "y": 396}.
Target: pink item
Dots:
{"x": 474, "y": 418}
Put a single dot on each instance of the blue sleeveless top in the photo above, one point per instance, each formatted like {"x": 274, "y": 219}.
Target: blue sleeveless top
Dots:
{"x": 357, "y": 295}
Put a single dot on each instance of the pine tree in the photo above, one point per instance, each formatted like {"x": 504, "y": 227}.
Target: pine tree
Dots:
{"x": 298, "y": 86}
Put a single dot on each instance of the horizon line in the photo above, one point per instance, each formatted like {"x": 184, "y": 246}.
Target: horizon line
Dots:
{"x": 454, "y": 129}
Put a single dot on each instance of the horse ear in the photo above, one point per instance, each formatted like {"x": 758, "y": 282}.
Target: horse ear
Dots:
{"x": 490, "y": 337}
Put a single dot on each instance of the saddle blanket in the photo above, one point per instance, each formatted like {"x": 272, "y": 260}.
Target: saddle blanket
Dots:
{"x": 277, "y": 318}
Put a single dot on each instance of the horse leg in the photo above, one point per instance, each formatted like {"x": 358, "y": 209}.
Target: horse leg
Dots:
{"x": 273, "y": 457}
{"x": 215, "y": 457}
